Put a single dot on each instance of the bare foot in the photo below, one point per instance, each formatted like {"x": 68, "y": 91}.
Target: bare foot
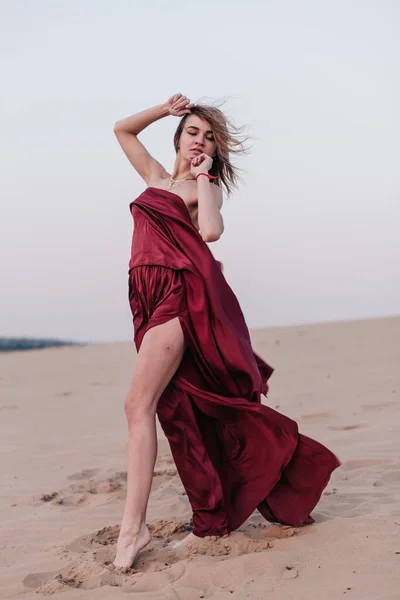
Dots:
{"x": 193, "y": 539}
{"x": 185, "y": 542}
{"x": 129, "y": 544}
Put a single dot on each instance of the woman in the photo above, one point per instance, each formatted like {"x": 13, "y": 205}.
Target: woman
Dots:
{"x": 195, "y": 365}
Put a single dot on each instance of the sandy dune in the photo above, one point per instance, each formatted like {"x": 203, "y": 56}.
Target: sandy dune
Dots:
{"x": 63, "y": 480}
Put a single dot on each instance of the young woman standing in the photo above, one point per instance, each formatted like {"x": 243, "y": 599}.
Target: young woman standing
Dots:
{"x": 195, "y": 365}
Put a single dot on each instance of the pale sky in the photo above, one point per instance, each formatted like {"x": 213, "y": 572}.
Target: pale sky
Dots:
{"x": 311, "y": 235}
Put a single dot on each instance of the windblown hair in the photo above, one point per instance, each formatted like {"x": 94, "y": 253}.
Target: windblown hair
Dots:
{"x": 228, "y": 138}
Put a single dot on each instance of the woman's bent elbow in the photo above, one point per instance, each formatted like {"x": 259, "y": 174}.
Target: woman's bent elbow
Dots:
{"x": 211, "y": 236}
{"x": 118, "y": 127}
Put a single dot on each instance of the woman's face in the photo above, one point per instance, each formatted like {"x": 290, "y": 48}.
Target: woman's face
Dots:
{"x": 196, "y": 137}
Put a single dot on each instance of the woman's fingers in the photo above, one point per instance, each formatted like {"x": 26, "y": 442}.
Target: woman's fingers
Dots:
{"x": 180, "y": 104}
{"x": 174, "y": 99}
{"x": 180, "y": 98}
{"x": 181, "y": 110}
{"x": 183, "y": 102}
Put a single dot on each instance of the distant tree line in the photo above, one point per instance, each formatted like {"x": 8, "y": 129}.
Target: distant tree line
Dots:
{"x": 20, "y": 343}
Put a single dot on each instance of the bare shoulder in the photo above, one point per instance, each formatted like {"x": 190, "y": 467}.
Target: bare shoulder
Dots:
{"x": 160, "y": 180}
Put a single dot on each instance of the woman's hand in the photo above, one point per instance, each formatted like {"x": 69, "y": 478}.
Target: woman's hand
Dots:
{"x": 201, "y": 164}
{"x": 179, "y": 105}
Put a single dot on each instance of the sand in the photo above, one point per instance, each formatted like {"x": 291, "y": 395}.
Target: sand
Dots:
{"x": 63, "y": 446}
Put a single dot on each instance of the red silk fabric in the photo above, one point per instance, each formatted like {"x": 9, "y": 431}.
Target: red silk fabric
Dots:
{"x": 233, "y": 453}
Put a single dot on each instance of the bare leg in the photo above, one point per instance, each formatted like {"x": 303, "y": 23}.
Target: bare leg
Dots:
{"x": 159, "y": 357}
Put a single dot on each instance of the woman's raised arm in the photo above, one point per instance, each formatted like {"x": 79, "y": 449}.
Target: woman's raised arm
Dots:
{"x": 128, "y": 129}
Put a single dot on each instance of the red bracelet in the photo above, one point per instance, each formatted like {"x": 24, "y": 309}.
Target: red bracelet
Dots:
{"x": 207, "y": 175}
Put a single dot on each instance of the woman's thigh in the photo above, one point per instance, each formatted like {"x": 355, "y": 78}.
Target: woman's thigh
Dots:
{"x": 159, "y": 356}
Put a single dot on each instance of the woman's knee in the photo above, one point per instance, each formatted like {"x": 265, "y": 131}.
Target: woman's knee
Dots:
{"x": 139, "y": 406}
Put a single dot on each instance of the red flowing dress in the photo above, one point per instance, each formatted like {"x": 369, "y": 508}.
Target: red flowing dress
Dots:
{"x": 233, "y": 453}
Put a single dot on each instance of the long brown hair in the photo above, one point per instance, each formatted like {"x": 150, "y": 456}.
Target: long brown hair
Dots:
{"x": 228, "y": 139}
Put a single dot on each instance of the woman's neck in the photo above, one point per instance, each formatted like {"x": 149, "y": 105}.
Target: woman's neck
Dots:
{"x": 181, "y": 170}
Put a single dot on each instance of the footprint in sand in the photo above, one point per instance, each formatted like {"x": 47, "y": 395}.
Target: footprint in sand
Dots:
{"x": 108, "y": 536}
{"x": 113, "y": 486}
{"x": 83, "y": 574}
{"x": 156, "y": 567}
{"x": 236, "y": 544}
{"x": 319, "y": 417}
{"x": 242, "y": 572}
{"x": 92, "y": 484}
{"x": 93, "y": 568}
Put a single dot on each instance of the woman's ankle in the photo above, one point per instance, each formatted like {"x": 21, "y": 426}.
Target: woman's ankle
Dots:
{"x": 131, "y": 526}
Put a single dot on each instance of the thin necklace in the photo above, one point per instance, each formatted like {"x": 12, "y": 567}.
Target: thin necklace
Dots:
{"x": 173, "y": 181}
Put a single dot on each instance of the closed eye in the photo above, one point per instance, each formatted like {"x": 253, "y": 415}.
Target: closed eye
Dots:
{"x": 210, "y": 139}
